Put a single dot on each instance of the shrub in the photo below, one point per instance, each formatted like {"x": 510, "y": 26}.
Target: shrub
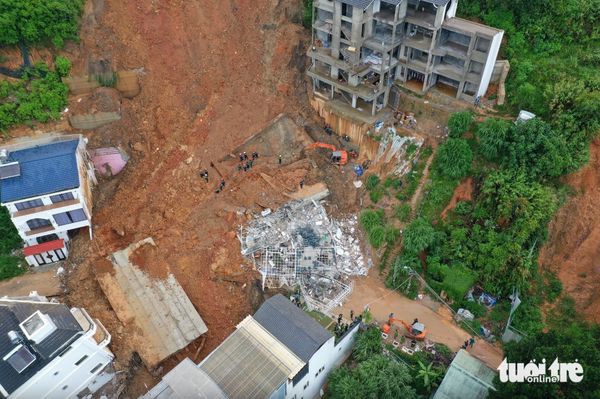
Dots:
{"x": 457, "y": 281}
{"x": 10, "y": 266}
{"x": 376, "y": 194}
{"x": 454, "y": 158}
{"x": 418, "y": 236}
{"x": 459, "y": 123}
{"x": 62, "y": 66}
{"x": 370, "y": 218}
{"x": 372, "y": 182}
{"x": 377, "y": 236}
{"x": 402, "y": 212}
{"x": 475, "y": 307}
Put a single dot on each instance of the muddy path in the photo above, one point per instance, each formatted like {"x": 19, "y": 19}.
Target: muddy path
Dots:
{"x": 371, "y": 291}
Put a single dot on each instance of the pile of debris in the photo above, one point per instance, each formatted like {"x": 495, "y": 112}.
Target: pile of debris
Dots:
{"x": 403, "y": 149}
{"x": 300, "y": 246}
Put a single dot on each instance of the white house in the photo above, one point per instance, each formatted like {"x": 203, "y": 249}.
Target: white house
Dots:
{"x": 47, "y": 350}
{"x": 45, "y": 183}
{"x": 280, "y": 352}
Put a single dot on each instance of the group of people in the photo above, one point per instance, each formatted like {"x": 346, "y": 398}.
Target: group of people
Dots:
{"x": 468, "y": 343}
{"x": 246, "y": 162}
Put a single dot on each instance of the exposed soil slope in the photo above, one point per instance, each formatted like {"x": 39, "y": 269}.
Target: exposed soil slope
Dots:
{"x": 573, "y": 248}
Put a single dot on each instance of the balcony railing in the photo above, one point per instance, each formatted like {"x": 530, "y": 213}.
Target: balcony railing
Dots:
{"x": 31, "y": 211}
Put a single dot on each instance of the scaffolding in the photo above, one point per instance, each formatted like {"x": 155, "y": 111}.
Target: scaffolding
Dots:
{"x": 299, "y": 246}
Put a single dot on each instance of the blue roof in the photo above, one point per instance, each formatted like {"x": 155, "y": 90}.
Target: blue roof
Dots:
{"x": 292, "y": 327}
{"x": 45, "y": 169}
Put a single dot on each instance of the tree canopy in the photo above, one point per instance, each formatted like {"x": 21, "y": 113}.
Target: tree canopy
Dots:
{"x": 569, "y": 343}
{"x": 376, "y": 377}
{"x": 454, "y": 158}
{"x": 459, "y": 123}
{"x": 419, "y": 235}
{"x": 39, "y": 21}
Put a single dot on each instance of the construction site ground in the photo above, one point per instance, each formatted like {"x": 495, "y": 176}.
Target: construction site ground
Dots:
{"x": 214, "y": 77}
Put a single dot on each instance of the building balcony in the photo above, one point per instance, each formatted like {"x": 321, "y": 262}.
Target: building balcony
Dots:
{"x": 479, "y": 56}
{"x": 420, "y": 18}
{"x": 324, "y": 26}
{"x": 39, "y": 230}
{"x": 324, "y": 55}
{"x": 473, "y": 77}
{"x": 45, "y": 208}
{"x": 364, "y": 90}
{"x": 386, "y": 17}
{"x": 325, "y": 5}
{"x": 453, "y": 49}
{"x": 418, "y": 41}
{"x": 449, "y": 70}
{"x": 419, "y": 64}
{"x": 92, "y": 327}
{"x": 382, "y": 43}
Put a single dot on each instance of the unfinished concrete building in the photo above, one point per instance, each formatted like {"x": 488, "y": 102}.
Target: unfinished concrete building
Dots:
{"x": 362, "y": 47}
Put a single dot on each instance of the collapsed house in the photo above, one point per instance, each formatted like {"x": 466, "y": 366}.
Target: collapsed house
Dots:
{"x": 300, "y": 246}
{"x": 165, "y": 319}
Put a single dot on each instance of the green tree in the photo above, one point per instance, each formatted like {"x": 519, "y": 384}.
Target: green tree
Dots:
{"x": 39, "y": 21}
{"x": 492, "y": 137}
{"x": 9, "y": 237}
{"x": 428, "y": 375}
{"x": 377, "y": 377}
{"x": 419, "y": 235}
{"x": 459, "y": 123}
{"x": 454, "y": 158}
{"x": 368, "y": 343}
{"x": 572, "y": 342}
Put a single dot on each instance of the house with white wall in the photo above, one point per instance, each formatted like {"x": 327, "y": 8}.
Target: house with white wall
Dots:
{"x": 45, "y": 184}
{"x": 280, "y": 352}
{"x": 48, "y": 350}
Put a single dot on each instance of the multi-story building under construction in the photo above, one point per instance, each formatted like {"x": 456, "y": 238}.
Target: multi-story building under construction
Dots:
{"x": 362, "y": 47}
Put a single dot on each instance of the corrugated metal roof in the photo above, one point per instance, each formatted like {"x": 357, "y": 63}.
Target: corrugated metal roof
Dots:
{"x": 302, "y": 334}
{"x": 467, "y": 377}
{"x": 14, "y": 312}
{"x": 250, "y": 363}
{"x": 45, "y": 169}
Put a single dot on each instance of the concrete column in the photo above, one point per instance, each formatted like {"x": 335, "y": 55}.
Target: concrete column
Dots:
{"x": 439, "y": 16}
{"x": 374, "y": 107}
{"x": 334, "y": 72}
{"x": 369, "y": 21}
{"x": 461, "y": 87}
{"x": 336, "y": 30}
{"x": 332, "y": 92}
{"x": 402, "y": 10}
{"x": 386, "y": 97}
{"x": 354, "y": 99}
{"x": 357, "y": 19}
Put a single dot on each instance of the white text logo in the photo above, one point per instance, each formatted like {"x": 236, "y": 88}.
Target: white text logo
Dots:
{"x": 538, "y": 372}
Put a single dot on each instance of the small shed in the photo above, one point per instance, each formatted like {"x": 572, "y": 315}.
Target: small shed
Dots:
{"x": 466, "y": 378}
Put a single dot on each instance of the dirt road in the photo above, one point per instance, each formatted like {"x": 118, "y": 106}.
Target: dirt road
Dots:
{"x": 371, "y": 291}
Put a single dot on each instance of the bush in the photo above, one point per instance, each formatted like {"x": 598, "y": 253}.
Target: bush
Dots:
{"x": 474, "y": 307}
{"x": 459, "y": 123}
{"x": 62, "y": 66}
{"x": 376, "y": 194}
{"x": 372, "y": 182}
{"x": 370, "y": 218}
{"x": 368, "y": 343}
{"x": 10, "y": 266}
{"x": 392, "y": 182}
{"x": 457, "y": 281}
{"x": 9, "y": 238}
{"x": 454, "y": 158}
{"x": 402, "y": 212}
{"x": 418, "y": 236}
{"x": 377, "y": 236}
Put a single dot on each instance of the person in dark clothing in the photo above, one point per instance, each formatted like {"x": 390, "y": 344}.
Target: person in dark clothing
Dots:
{"x": 241, "y": 157}
{"x": 279, "y": 159}
{"x": 472, "y": 342}
{"x": 204, "y": 175}
{"x": 301, "y": 184}
{"x": 255, "y": 155}
{"x": 415, "y": 321}
{"x": 245, "y": 156}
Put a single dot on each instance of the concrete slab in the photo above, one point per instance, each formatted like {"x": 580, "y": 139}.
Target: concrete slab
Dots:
{"x": 164, "y": 318}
